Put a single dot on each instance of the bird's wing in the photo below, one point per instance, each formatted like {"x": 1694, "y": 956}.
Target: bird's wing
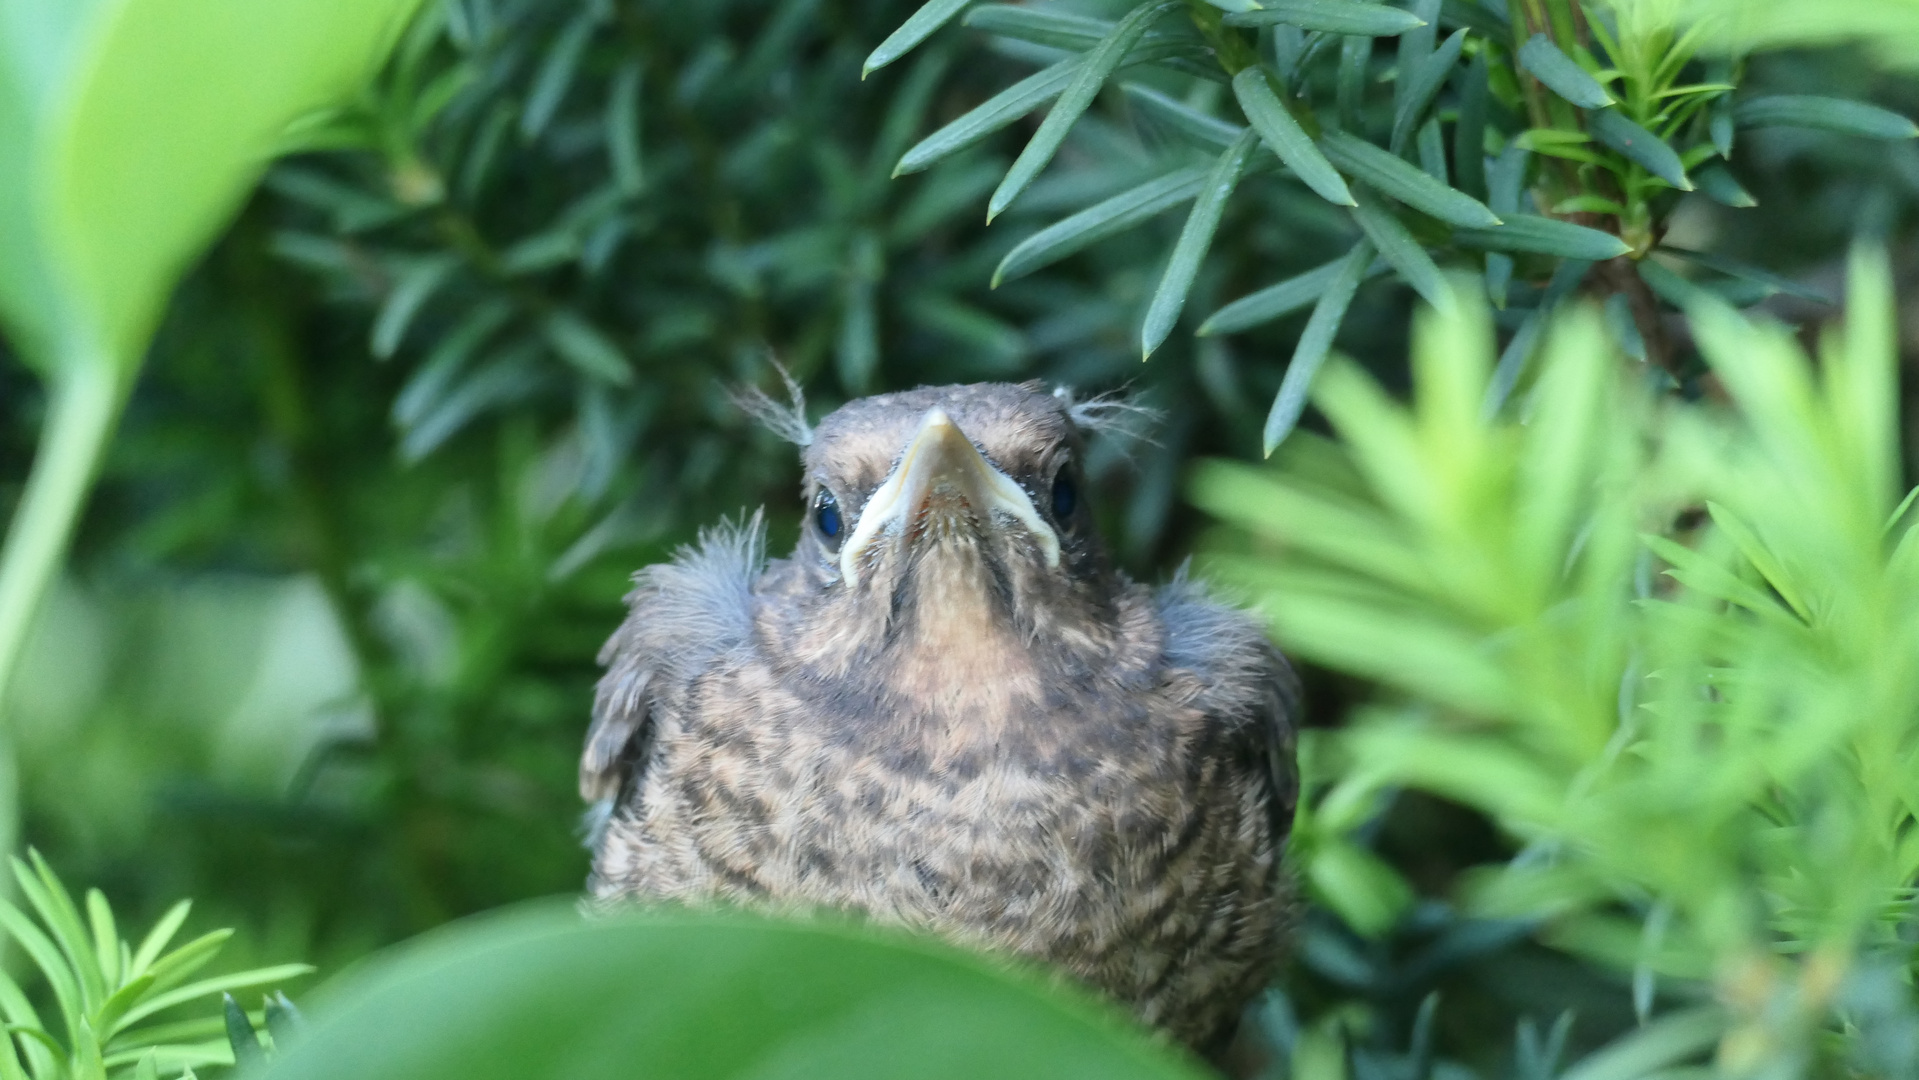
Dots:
{"x": 1248, "y": 684}
{"x": 622, "y": 725}
{"x": 681, "y": 614}
{"x": 1278, "y": 720}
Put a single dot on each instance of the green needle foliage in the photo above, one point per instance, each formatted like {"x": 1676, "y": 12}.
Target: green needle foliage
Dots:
{"x": 1666, "y": 647}
{"x": 112, "y": 998}
{"x": 1600, "y": 112}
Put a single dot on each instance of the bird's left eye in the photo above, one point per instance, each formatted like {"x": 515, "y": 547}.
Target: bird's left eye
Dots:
{"x": 1065, "y": 495}
{"x": 826, "y": 514}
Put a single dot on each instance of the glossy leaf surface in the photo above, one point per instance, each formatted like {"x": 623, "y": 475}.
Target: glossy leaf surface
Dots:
{"x": 541, "y": 992}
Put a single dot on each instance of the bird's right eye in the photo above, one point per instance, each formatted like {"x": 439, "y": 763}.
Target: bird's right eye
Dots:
{"x": 826, "y": 514}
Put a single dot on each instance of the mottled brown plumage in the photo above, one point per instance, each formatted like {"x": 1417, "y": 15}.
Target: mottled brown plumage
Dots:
{"x": 954, "y": 715}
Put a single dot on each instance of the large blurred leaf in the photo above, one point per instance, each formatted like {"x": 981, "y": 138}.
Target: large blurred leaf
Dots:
{"x": 542, "y": 993}
{"x": 129, "y": 132}
{"x": 1889, "y": 27}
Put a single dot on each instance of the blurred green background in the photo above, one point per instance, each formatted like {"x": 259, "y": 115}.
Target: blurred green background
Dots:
{"x": 325, "y": 648}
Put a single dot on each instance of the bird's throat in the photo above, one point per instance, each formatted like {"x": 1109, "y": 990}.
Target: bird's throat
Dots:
{"x": 957, "y": 646}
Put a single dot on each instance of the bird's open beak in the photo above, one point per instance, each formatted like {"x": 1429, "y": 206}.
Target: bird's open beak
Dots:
{"x": 941, "y": 462}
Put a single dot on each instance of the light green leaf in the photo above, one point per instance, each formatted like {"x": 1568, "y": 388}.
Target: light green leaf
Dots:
{"x": 106, "y": 937}
{"x": 1169, "y": 299}
{"x": 1760, "y": 556}
{"x": 1340, "y": 532}
{"x": 46, "y": 956}
{"x": 1400, "y": 179}
{"x": 1823, "y": 114}
{"x": 57, "y": 912}
{"x": 107, "y": 1016}
{"x": 1088, "y": 77}
{"x": 1562, "y": 449}
{"x": 1358, "y": 886}
{"x": 1562, "y": 74}
{"x": 130, "y": 133}
{"x": 1099, "y": 221}
{"x": 188, "y": 958}
{"x": 157, "y": 938}
{"x": 1703, "y": 575}
{"x": 1665, "y": 1041}
{"x": 1279, "y": 130}
{"x": 219, "y": 984}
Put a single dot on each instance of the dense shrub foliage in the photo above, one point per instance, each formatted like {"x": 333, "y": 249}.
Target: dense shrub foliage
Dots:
{"x": 1605, "y": 632}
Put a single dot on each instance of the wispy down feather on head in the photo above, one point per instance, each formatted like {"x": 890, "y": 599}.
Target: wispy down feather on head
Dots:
{"x": 1113, "y": 414}
{"x": 788, "y": 421}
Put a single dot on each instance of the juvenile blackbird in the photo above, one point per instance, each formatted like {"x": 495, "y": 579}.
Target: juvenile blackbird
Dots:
{"x": 947, "y": 710}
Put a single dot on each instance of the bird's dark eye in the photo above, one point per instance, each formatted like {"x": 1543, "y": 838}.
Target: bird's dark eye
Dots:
{"x": 1065, "y": 495}
{"x": 826, "y": 514}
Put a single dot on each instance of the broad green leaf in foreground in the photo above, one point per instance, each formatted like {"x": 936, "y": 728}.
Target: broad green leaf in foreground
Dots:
{"x": 541, "y": 992}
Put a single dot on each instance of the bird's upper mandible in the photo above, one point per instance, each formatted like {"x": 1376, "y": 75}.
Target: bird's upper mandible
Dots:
{"x": 941, "y": 472}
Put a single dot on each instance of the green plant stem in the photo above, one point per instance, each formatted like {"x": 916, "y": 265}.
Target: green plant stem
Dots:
{"x": 85, "y": 400}
{"x": 1234, "y": 53}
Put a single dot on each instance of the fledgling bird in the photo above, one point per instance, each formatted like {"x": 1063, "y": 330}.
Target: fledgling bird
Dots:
{"x": 946, "y": 710}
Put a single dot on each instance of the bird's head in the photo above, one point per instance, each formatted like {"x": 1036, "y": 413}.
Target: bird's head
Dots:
{"x": 947, "y": 515}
